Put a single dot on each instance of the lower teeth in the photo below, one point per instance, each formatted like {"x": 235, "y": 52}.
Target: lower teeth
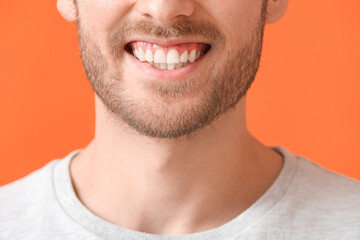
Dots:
{"x": 165, "y": 66}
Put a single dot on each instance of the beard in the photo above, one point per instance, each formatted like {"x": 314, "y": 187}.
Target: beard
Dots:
{"x": 166, "y": 114}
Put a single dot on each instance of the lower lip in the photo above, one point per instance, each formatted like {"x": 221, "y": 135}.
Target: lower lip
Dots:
{"x": 167, "y": 75}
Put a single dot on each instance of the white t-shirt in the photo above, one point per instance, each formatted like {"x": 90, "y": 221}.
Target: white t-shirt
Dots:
{"x": 305, "y": 202}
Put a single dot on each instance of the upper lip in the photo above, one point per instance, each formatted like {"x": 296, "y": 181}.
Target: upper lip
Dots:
{"x": 168, "y": 42}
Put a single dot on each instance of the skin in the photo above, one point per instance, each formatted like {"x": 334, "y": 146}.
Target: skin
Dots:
{"x": 151, "y": 166}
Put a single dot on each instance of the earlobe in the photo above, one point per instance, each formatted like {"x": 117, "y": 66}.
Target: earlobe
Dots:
{"x": 67, "y": 9}
{"x": 276, "y": 9}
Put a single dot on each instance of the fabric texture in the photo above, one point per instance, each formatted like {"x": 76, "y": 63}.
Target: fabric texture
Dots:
{"x": 306, "y": 201}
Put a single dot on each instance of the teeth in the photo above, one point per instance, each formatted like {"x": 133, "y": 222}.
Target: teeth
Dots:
{"x": 179, "y": 65}
{"x": 173, "y": 57}
{"x": 198, "y": 55}
{"x": 141, "y": 54}
{"x": 171, "y": 66}
{"x": 171, "y": 61}
{"x": 163, "y": 66}
{"x": 192, "y": 56}
{"x": 160, "y": 56}
{"x": 135, "y": 53}
{"x": 149, "y": 56}
{"x": 184, "y": 57}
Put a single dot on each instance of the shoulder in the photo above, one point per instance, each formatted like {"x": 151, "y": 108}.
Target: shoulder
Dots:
{"x": 328, "y": 186}
{"x": 30, "y": 207}
{"x": 22, "y": 200}
{"x": 314, "y": 184}
{"x": 317, "y": 204}
{"x": 27, "y": 185}
{"x": 321, "y": 198}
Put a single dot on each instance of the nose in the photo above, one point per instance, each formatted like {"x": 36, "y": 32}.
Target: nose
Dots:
{"x": 165, "y": 12}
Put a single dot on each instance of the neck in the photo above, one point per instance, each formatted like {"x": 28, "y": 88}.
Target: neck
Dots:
{"x": 180, "y": 186}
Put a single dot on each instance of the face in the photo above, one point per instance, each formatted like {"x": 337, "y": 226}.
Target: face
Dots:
{"x": 169, "y": 68}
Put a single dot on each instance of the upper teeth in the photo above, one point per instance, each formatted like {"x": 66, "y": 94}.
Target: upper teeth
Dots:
{"x": 184, "y": 57}
{"x": 160, "y": 56}
{"x": 149, "y": 56}
{"x": 172, "y": 56}
{"x": 172, "y": 60}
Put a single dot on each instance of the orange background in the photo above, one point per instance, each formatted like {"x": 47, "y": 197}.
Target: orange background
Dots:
{"x": 306, "y": 96}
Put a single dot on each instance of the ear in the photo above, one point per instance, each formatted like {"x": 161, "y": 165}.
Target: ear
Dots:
{"x": 276, "y": 9}
{"x": 67, "y": 9}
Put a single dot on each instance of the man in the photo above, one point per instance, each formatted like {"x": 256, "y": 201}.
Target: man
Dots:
{"x": 172, "y": 157}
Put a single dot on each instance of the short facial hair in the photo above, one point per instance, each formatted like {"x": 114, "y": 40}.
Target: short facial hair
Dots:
{"x": 227, "y": 85}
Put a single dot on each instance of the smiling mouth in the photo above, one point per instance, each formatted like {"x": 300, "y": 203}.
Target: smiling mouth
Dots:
{"x": 167, "y": 57}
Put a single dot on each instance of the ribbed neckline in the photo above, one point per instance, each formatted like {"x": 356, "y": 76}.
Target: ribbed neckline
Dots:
{"x": 106, "y": 230}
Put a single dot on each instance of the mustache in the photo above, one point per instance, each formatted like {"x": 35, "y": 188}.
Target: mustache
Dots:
{"x": 182, "y": 28}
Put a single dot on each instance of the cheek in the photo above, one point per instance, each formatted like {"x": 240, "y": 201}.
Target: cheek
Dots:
{"x": 101, "y": 16}
{"x": 108, "y": 3}
{"x": 236, "y": 18}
